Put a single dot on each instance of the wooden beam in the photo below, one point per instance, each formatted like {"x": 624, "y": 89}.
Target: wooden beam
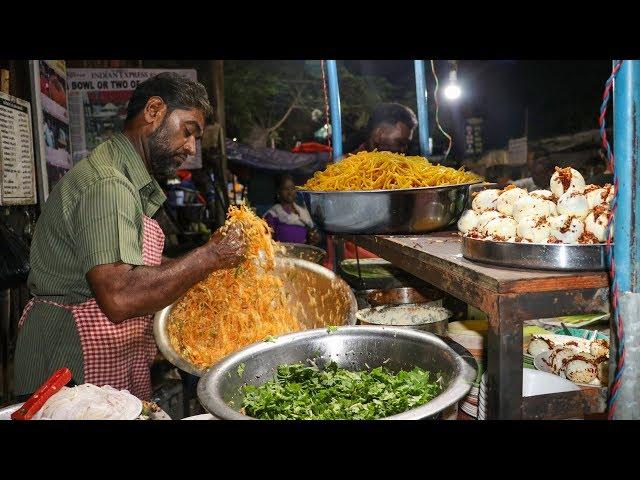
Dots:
{"x": 4, "y": 81}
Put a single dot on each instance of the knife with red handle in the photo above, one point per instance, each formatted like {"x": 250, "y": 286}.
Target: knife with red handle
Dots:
{"x": 38, "y": 399}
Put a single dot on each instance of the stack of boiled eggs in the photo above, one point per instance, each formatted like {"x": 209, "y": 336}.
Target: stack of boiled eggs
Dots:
{"x": 569, "y": 212}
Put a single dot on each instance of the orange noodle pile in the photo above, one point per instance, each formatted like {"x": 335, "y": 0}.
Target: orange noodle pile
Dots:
{"x": 233, "y": 308}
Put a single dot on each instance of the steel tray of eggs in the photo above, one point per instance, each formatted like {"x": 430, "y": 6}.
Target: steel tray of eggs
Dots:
{"x": 570, "y": 212}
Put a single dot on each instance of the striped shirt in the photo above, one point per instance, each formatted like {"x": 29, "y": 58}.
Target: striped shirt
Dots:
{"x": 93, "y": 216}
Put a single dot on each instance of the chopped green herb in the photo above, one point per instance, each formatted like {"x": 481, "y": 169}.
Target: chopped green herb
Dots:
{"x": 299, "y": 392}
{"x": 238, "y": 270}
{"x": 270, "y": 338}
{"x": 331, "y": 328}
{"x": 241, "y": 369}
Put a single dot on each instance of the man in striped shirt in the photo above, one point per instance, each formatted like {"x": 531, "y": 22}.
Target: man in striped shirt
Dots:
{"x": 96, "y": 266}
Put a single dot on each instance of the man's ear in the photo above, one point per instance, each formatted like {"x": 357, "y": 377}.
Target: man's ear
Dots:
{"x": 154, "y": 110}
{"x": 376, "y": 135}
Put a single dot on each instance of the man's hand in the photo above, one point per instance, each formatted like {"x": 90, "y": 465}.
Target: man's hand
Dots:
{"x": 228, "y": 248}
{"x": 125, "y": 291}
{"x": 314, "y": 237}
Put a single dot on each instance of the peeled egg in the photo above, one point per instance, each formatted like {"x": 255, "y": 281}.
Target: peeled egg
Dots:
{"x": 537, "y": 345}
{"x": 561, "y": 355}
{"x": 533, "y": 229}
{"x": 485, "y": 218}
{"x": 501, "y": 228}
{"x": 565, "y": 228}
{"x": 573, "y": 203}
{"x": 485, "y": 200}
{"x": 547, "y": 196}
{"x": 468, "y": 221}
{"x": 599, "y": 348}
{"x": 599, "y": 196}
{"x": 507, "y": 198}
{"x": 531, "y": 207}
{"x": 597, "y": 226}
{"x": 603, "y": 372}
{"x": 565, "y": 179}
{"x": 581, "y": 368}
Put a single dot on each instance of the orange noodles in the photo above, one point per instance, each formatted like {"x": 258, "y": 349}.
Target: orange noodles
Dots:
{"x": 385, "y": 171}
{"x": 233, "y": 308}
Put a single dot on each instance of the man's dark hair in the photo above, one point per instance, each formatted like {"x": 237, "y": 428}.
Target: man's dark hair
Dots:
{"x": 391, "y": 113}
{"x": 176, "y": 91}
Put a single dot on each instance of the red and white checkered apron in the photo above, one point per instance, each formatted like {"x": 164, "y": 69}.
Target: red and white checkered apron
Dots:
{"x": 117, "y": 354}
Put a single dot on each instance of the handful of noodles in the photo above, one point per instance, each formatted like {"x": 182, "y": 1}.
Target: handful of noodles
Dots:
{"x": 386, "y": 171}
{"x": 233, "y": 308}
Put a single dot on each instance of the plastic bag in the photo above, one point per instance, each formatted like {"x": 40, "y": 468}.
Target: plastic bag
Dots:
{"x": 14, "y": 258}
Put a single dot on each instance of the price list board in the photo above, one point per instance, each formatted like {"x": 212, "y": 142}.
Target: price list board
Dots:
{"x": 17, "y": 168}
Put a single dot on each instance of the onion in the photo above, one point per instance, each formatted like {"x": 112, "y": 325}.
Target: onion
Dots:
{"x": 89, "y": 402}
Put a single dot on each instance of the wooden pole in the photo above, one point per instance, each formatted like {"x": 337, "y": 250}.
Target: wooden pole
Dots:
{"x": 4, "y": 81}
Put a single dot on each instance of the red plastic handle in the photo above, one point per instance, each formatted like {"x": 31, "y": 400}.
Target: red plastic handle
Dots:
{"x": 38, "y": 399}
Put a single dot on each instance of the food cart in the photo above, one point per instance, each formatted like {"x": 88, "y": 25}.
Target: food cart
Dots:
{"x": 511, "y": 296}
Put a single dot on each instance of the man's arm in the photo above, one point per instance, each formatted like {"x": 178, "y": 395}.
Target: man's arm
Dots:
{"x": 126, "y": 291}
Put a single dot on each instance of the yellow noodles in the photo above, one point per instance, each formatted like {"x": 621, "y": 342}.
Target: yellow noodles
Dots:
{"x": 233, "y": 308}
{"x": 385, "y": 171}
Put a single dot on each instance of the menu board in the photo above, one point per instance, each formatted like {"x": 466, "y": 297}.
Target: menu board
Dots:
{"x": 17, "y": 171}
{"x": 473, "y": 135}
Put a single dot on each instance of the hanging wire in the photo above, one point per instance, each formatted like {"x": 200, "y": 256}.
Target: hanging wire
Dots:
{"x": 435, "y": 96}
{"x": 326, "y": 106}
{"x": 615, "y": 387}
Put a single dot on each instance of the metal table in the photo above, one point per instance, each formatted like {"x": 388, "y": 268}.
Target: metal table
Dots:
{"x": 508, "y": 297}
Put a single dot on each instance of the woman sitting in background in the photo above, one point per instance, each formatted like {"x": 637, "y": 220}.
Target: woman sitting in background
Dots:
{"x": 290, "y": 222}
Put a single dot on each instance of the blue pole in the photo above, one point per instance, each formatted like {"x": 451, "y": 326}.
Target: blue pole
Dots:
{"x": 423, "y": 112}
{"x": 626, "y": 121}
{"x": 334, "y": 105}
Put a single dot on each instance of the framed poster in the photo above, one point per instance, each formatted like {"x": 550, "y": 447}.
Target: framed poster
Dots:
{"x": 50, "y": 122}
{"x": 17, "y": 169}
{"x": 98, "y": 101}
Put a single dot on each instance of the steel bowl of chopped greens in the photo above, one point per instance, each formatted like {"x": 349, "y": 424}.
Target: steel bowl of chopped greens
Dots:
{"x": 340, "y": 373}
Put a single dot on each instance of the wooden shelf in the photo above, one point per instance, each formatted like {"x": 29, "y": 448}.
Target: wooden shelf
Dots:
{"x": 509, "y": 296}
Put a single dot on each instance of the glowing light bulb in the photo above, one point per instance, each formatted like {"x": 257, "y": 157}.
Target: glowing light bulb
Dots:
{"x": 452, "y": 91}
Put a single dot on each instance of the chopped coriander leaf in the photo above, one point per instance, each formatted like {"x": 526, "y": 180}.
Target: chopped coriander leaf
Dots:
{"x": 270, "y": 338}
{"x": 241, "y": 369}
{"x": 299, "y": 392}
{"x": 331, "y": 328}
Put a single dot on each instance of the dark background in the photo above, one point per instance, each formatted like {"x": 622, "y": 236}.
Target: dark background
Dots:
{"x": 561, "y": 96}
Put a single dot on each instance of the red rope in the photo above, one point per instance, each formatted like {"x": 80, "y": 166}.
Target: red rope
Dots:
{"x": 614, "y": 285}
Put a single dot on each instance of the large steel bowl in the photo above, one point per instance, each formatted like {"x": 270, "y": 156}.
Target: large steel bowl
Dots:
{"x": 408, "y": 211}
{"x": 354, "y": 348}
{"x": 317, "y": 296}
{"x": 303, "y": 251}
